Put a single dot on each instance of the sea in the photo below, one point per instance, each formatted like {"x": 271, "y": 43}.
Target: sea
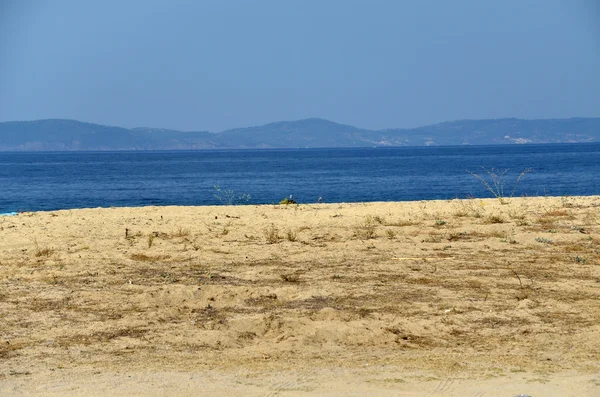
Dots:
{"x": 45, "y": 181}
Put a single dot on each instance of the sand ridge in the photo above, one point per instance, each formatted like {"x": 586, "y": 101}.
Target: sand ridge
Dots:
{"x": 413, "y": 292}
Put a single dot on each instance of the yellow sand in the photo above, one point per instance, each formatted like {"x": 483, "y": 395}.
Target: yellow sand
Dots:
{"x": 448, "y": 298}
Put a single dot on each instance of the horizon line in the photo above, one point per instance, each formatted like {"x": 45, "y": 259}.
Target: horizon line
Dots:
{"x": 299, "y": 120}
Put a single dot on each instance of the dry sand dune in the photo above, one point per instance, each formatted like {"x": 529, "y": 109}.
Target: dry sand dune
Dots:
{"x": 447, "y": 298}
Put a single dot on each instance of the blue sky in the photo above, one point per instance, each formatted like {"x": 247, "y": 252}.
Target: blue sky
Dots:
{"x": 213, "y": 65}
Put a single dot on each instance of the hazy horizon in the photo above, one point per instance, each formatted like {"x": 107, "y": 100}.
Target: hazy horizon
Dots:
{"x": 214, "y": 66}
{"x": 293, "y": 121}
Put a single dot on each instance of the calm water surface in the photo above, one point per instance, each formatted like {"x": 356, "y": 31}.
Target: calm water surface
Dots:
{"x": 50, "y": 181}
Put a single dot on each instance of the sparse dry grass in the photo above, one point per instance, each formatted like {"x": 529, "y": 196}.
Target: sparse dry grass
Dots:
{"x": 546, "y": 221}
{"x": 494, "y": 218}
{"x": 42, "y": 252}
{"x": 401, "y": 223}
{"x": 140, "y": 257}
{"x": 556, "y": 213}
{"x": 516, "y": 214}
{"x": 181, "y": 232}
{"x": 290, "y": 278}
{"x": 271, "y": 234}
{"x": 291, "y": 235}
{"x": 469, "y": 282}
{"x": 365, "y": 229}
{"x": 469, "y": 208}
{"x": 151, "y": 237}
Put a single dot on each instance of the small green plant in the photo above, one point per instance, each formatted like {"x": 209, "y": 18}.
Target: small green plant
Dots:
{"x": 509, "y": 238}
{"x": 544, "y": 240}
{"x": 440, "y": 222}
{"x": 581, "y": 259}
{"x": 287, "y": 201}
{"x": 496, "y": 184}
{"x": 230, "y": 197}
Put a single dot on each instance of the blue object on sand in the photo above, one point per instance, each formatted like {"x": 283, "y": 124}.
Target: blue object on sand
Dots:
{"x": 7, "y": 213}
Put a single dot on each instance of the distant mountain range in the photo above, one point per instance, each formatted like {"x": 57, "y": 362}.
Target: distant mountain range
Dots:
{"x": 56, "y": 134}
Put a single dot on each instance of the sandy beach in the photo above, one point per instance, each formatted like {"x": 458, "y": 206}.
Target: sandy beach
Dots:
{"x": 429, "y": 298}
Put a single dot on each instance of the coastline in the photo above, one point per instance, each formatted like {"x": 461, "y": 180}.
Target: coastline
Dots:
{"x": 379, "y": 297}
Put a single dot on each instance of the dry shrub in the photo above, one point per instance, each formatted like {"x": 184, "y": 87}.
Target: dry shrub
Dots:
{"x": 497, "y": 233}
{"x": 42, "y": 251}
{"x": 151, "y": 237}
{"x": 272, "y": 234}
{"x": 469, "y": 207}
{"x": 400, "y": 223}
{"x": 557, "y": 213}
{"x": 148, "y": 258}
{"x": 574, "y": 248}
{"x": 181, "y": 232}
{"x": 434, "y": 237}
{"x": 514, "y": 214}
{"x": 291, "y": 235}
{"x": 494, "y": 219}
{"x": 379, "y": 219}
{"x": 46, "y": 251}
{"x": 546, "y": 221}
{"x": 460, "y": 213}
{"x": 457, "y": 236}
{"x": 290, "y": 278}
{"x": 365, "y": 230}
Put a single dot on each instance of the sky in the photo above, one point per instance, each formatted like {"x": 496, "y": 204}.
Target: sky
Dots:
{"x": 211, "y": 65}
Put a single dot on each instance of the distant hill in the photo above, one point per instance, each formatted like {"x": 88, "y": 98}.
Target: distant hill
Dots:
{"x": 310, "y": 133}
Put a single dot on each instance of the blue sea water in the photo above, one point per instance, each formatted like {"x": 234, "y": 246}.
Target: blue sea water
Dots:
{"x": 49, "y": 181}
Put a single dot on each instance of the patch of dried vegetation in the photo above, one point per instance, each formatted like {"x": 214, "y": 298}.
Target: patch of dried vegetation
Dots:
{"x": 315, "y": 281}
